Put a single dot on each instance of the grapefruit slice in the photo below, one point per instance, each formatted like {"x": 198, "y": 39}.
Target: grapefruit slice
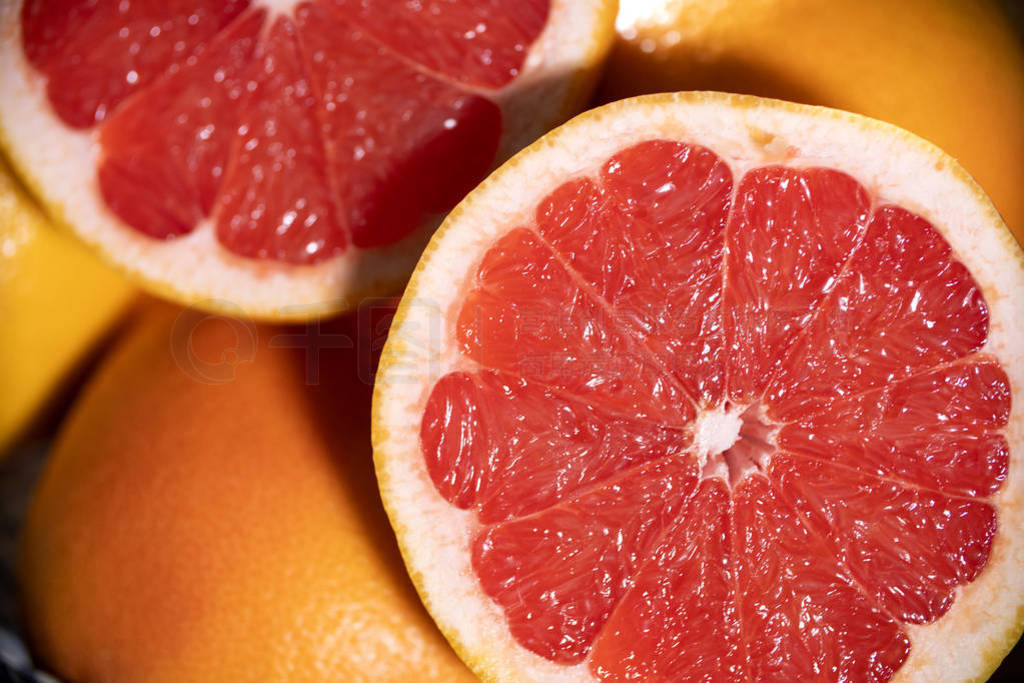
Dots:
{"x": 279, "y": 158}
{"x": 705, "y": 386}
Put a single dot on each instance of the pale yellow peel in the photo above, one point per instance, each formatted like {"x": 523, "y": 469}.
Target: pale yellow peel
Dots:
{"x": 56, "y": 303}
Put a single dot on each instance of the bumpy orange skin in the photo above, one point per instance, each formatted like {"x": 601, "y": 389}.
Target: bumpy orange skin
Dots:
{"x": 209, "y": 516}
{"x": 949, "y": 71}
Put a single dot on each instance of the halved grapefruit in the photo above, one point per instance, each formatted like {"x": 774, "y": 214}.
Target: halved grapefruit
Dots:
{"x": 705, "y": 386}
{"x": 276, "y": 157}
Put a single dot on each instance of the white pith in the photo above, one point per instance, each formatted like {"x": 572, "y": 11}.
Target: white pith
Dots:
{"x": 714, "y": 432}
{"x": 59, "y": 164}
{"x": 732, "y": 442}
{"x": 893, "y": 165}
{"x": 277, "y": 7}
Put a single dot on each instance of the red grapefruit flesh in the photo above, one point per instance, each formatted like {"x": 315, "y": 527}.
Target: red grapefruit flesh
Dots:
{"x": 276, "y": 154}
{"x": 718, "y": 424}
{"x": 297, "y": 134}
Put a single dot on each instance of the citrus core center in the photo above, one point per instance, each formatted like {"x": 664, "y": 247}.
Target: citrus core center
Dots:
{"x": 733, "y": 441}
{"x": 716, "y": 431}
{"x": 277, "y": 7}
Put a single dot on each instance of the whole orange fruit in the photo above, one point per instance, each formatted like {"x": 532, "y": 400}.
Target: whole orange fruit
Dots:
{"x": 210, "y": 514}
{"x": 948, "y": 70}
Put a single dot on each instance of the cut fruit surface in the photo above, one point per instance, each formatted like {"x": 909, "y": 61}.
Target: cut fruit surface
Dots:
{"x": 306, "y": 149}
{"x": 706, "y": 387}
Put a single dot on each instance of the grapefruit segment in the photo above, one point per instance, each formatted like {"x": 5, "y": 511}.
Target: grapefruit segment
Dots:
{"x": 803, "y": 616}
{"x": 390, "y": 170}
{"x": 278, "y": 176}
{"x": 905, "y": 305}
{"x": 938, "y": 430}
{"x": 307, "y": 148}
{"x": 909, "y": 548}
{"x": 647, "y": 238}
{"x": 507, "y": 447}
{"x": 317, "y": 138}
{"x": 528, "y": 316}
{"x": 163, "y": 185}
{"x": 837, "y": 367}
{"x": 479, "y": 43}
{"x": 559, "y": 573}
{"x": 791, "y": 233}
{"x": 88, "y": 78}
{"x": 678, "y": 618}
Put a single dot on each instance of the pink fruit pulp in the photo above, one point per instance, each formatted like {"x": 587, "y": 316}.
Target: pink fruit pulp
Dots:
{"x": 838, "y": 336}
{"x": 344, "y": 123}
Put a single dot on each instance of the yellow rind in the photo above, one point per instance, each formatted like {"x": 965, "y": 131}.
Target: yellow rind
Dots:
{"x": 56, "y": 302}
{"x": 395, "y": 348}
{"x": 145, "y": 473}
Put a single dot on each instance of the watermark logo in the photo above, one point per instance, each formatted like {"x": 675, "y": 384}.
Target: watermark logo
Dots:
{"x": 221, "y": 369}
